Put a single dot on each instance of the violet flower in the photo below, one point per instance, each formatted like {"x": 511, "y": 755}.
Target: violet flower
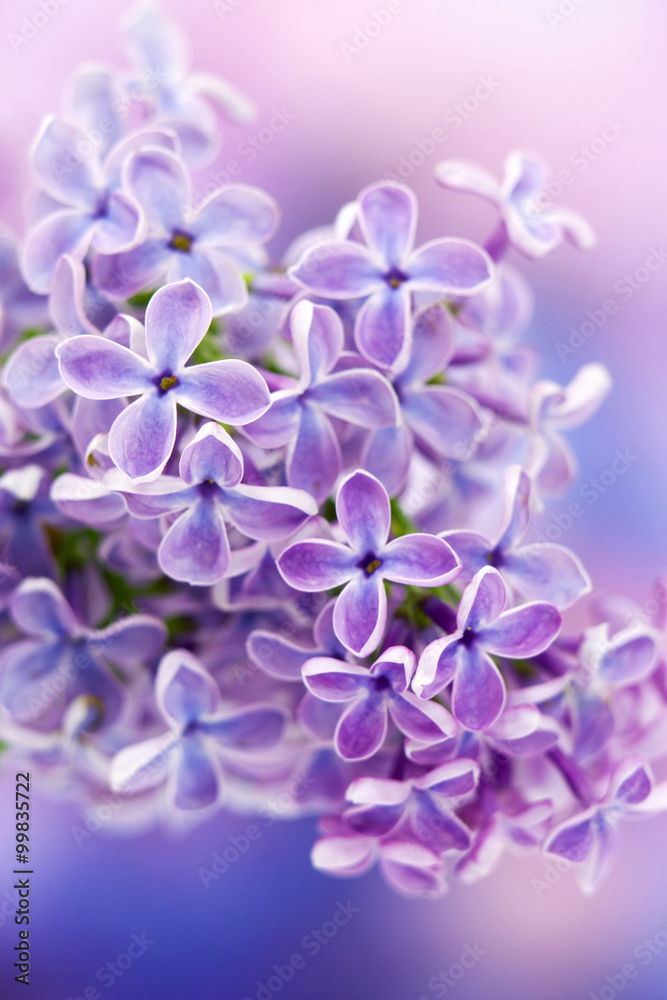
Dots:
{"x": 529, "y": 225}
{"x": 483, "y": 628}
{"x": 363, "y": 512}
{"x": 62, "y": 659}
{"x": 301, "y": 417}
{"x": 200, "y": 734}
{"x": 542, "y": 571}
{"x": 142, "y": 437}
{"x": 388, "y": 270}
{"x": 182, "y": 243}
{"x": 209, "y": 493}
{"x": 375, "y": 695}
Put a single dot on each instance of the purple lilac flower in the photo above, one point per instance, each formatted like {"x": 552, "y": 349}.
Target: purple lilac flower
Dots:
{"x": 387, "y": 270}
{"x": 182, "y": 243}
{"x": 553, "y": 409}
{"x": 282, "y": 658}
{"x": 25, "y": 510}
{"x": 201, "y": 734}
{"x": 62, "y": 659}
{"x": 483, "y": 628}
{"x": 209, "y": 493}
{"x": 363, "y": 512}
{"x": 91, "y": 209}
{"x": 142, "y": 437}
{"x": 542, "y": 571}
{"x": 529, "y": 222}
{"x": 589, "y": 837}
{"x": 177, "y": 99}
{"x": 20, "y": 309}
{"x": 439, "y": 419}
{"x": 424, "y": 805}
{"x": 376, "y": 695}
{"x": 301, "y": 417}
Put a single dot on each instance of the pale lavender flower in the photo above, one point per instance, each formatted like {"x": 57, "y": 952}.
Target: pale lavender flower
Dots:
{"x": 484, "y": 627}
{"x": 182, "y": 243}
{"x": 208, "y": 494}
{"x": 201, "y": 734}
{"x": 363, "y": 512}
{"x": 387, "y": 270}
{"x": 142, "y": 437}
{"x": 529, "y": 221}
{"x": 301, "y": 417}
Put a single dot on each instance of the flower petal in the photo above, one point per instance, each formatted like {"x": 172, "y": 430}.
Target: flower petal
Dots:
{"x": 183, "y": 689}
{"x": 124, "y": 274}
{"x": 142, "y": 438}
{"x": 277, "y": 656}
{"x": 229, "y": 391}
{"x": 195, "y": 549}
{"x": 160, "y": 182}
{"x": 248, "y": 730}
{"x": 363, "y": 512}
{"x": 360, "y": 614}
{"x": 39, "y": 608}
{"x": 334, "y": 680}
{"x": 121, "y": 227}
{"x": 130, "y": 640}
{"x": 32, "y": 373}
{"x": 212, "y": 454}
{"x": 426, "y": 721}
{"x": 196, "y": 778}
{"x": 450, "y": 266}
{"x": 337, "y": 271}
{"x": 267, "y": 513}
{"x": 483, "y": 599}
{"x": 101, "y": 369}
{"x": 358, "y": 396}
{"x": 314, "y": 459}
{"x": 547, "y": 572}
{"x": 177, "y": 319}
{"x": 437, "y": 665}
{"x": 68, "y": 176}
{"x": 383, "y": 328}
{"x": 448, "y": 420}
{"x": 64, "y": 232}
{"x": 573, "y": 840}
{"x": 479, "y": 690}
{"x": 388, "y": 220}
{"x": 217, "y": 275}
{"x": 316, "y": 565}
{"x": 362, "y": 728}
{"x": 523, "y": 631}
{"x": 461, "y": 176}
{"x": 420, "y": 559}
{"x": 318, "y": 338}
{"x": 236, "y": 215}
{"x": 279, "y": 424}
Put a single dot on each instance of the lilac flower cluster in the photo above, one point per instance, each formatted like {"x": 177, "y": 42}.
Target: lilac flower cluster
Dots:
{"x": 234, "y": 557}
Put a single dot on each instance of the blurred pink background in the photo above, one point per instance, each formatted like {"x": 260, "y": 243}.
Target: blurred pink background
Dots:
{"x": 554, "y": 81}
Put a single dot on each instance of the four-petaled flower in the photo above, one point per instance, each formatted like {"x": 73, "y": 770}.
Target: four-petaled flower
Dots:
{"x": 142, "y": 438}
{"x": 527, "y": 223}
{"x": 300, "y": 417}
{"x": 363, "y": 512}
{"x": 183, "y": 243}
{"x": 209, "y": 493}
{"x": 388, "y": 270}
{"x": 375, "y": 695}
{"x": 484, "y": 627}
{"x": 200, "y": 735}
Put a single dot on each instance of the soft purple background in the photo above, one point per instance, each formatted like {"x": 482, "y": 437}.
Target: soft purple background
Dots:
{"x": 556, "y": 86}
